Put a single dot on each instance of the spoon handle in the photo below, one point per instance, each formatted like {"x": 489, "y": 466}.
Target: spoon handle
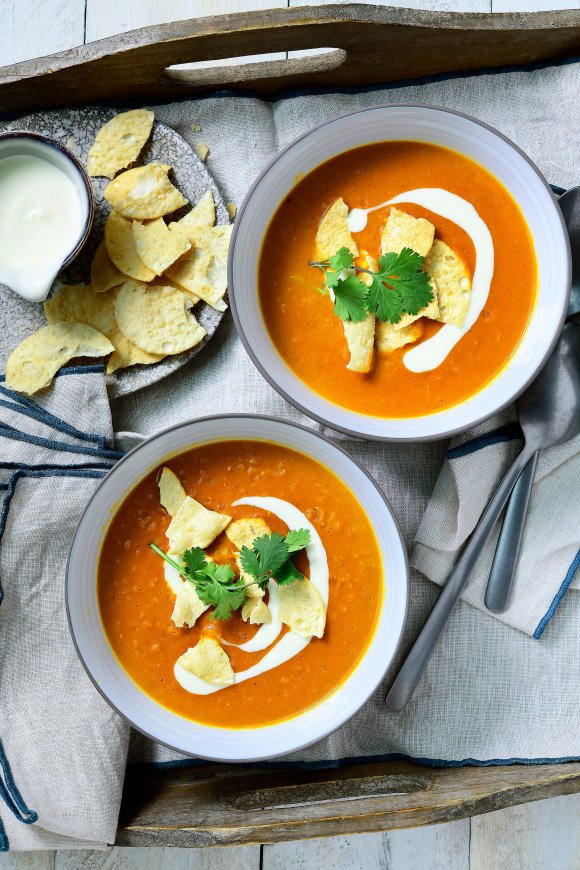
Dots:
{"x": 505, "y": 560}
{"x": 421, "y": 651}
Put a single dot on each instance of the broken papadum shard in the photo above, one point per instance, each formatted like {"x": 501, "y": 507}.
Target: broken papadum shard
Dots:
{"x": 104, "y": 273}
{"x": 256, "y": 612}
{"x": 122, "y": 249}
{"x": 389, "y": 338}
{"x": 32, "y": 365}
{"x": 118, "y": 189}
{"x": 203, "y": 270}
{"x": 119, "y": 142}
{"x": 333, "y": 233}
{"x": 171, "y": 493}
{"x": 208, "y": 661}
{"x": 302, "y": 608}
{"x": 431, "y": 310}
{"x": 77, "y": 303}
{"x": 243, "y": 533}
{"x": 453, "y": 282}
{"x": 405, "y": 231}
{"x": 157, "y": 246}
{"x": 201, "y": 215}
{"x": 151, "y": 194}
{"x": 194, "y": 526}
{"x": 360, "y": 337}
{"x": 188, "y": 607}
{"x": 402, "y": 230}
{"x": 156, "y": 318}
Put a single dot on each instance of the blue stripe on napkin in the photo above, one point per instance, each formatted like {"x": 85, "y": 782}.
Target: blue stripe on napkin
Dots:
{"x": 13, "y": 800}
{"x": 21, "y": 405}
{"x": 558, "y": 596}
{"x": 508, "y": 432}
{"x": 7, "y": 431}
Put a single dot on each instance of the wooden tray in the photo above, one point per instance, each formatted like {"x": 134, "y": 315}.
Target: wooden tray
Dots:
{"x": 225, "y": 805}
{"x": 216, "y": 805}
{"x": 369, "y": 44}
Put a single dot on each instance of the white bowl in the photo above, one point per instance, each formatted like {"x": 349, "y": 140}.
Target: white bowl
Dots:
{"x": 117, "y": 687}
{"x": 425, "y": 124}
{"x": 18, "y": 143}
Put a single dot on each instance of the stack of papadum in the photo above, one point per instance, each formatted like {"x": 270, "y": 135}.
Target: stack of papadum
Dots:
{"x": 450, "y": 282}
{"x": 146, "y": 276}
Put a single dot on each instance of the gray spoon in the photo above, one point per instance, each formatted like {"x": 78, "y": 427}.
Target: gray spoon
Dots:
{"x": 549, "y": 412}
{"x": 507, "y": 553}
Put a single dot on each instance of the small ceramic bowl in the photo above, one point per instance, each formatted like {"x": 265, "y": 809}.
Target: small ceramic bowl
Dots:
{"x": 18, "y": 143}
{"x": 145, "y": 714}
{"x": 467, "y": 136}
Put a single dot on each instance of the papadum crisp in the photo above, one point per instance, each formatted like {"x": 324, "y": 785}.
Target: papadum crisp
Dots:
{"x": 32, "y": 365}
{"x": 119, "y": 142}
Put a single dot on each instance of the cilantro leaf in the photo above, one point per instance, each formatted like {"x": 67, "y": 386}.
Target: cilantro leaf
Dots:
{"x": 297, "y": 539}
{"x": 288, "y": 573}
{"x": 194, "y": 560}
{"x": 384, "y": 302}
{"x": 250, "y": 561}
{"x": 332, "y": 279}
{"x": 400, "y": 286}
{"x": 216, "y": 587}
{"x": 350, "y": 296}
{"x": 268, "y": 553}
{"x": 405, "y": 264}
{"x": 415, "y": 295}
{"x": 270, "y": 557}
{"x": 343, "y": 259}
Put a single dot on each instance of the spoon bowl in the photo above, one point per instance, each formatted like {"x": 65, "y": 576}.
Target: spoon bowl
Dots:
{"x": 549, "y": 410}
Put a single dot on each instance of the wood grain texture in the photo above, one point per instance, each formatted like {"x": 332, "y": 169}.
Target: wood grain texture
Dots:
{"x": 432, "y": 848}
{"x": 27, "y": 861}
{"x": 538, "y": 836}
{"x": 241, "y": 858}
{"x": 134, "y": 65}
{"x": 532, "y": 5}
{"x": 104, "y": 18}
{"x": 36, "y": 27}
{"x": 225, "y": 805}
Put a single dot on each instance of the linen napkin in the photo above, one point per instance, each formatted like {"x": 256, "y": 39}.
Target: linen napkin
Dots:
{"x": 550, "y": 556}
{"x": 62, "y": 748}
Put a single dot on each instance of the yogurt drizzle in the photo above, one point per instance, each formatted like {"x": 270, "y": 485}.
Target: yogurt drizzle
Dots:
{"x": 291, "y": 644}
{"x": 431, "y": 353}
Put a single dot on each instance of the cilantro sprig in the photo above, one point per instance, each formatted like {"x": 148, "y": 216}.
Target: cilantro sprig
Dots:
{"x": 399, "y": 287}
{"x": 218, "y": 586}
{"x": 270, "y": 556}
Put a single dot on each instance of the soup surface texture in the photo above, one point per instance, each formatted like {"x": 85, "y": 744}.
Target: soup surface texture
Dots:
{"x": 311, "y": 339}
{"x": 136, "y": 602}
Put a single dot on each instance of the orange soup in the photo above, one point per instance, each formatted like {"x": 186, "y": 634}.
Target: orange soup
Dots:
{"x": 312, "y": 340}
{"x": 136, "y": 601}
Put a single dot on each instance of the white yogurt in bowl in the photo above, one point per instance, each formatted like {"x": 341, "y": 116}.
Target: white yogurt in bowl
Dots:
{"x": 46, "y": 212}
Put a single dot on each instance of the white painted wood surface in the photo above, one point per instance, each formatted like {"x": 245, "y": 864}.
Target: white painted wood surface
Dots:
{"x": 538, "y": 836}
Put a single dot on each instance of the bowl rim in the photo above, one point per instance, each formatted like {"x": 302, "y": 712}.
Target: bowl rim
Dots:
{"x": 446, "y": 433}
{"x": 381, "y": 674}
{"x": 83, "y": 175}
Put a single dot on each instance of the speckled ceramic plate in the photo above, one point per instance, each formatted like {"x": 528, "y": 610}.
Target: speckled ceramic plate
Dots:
{"x": 76, "y": 129}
